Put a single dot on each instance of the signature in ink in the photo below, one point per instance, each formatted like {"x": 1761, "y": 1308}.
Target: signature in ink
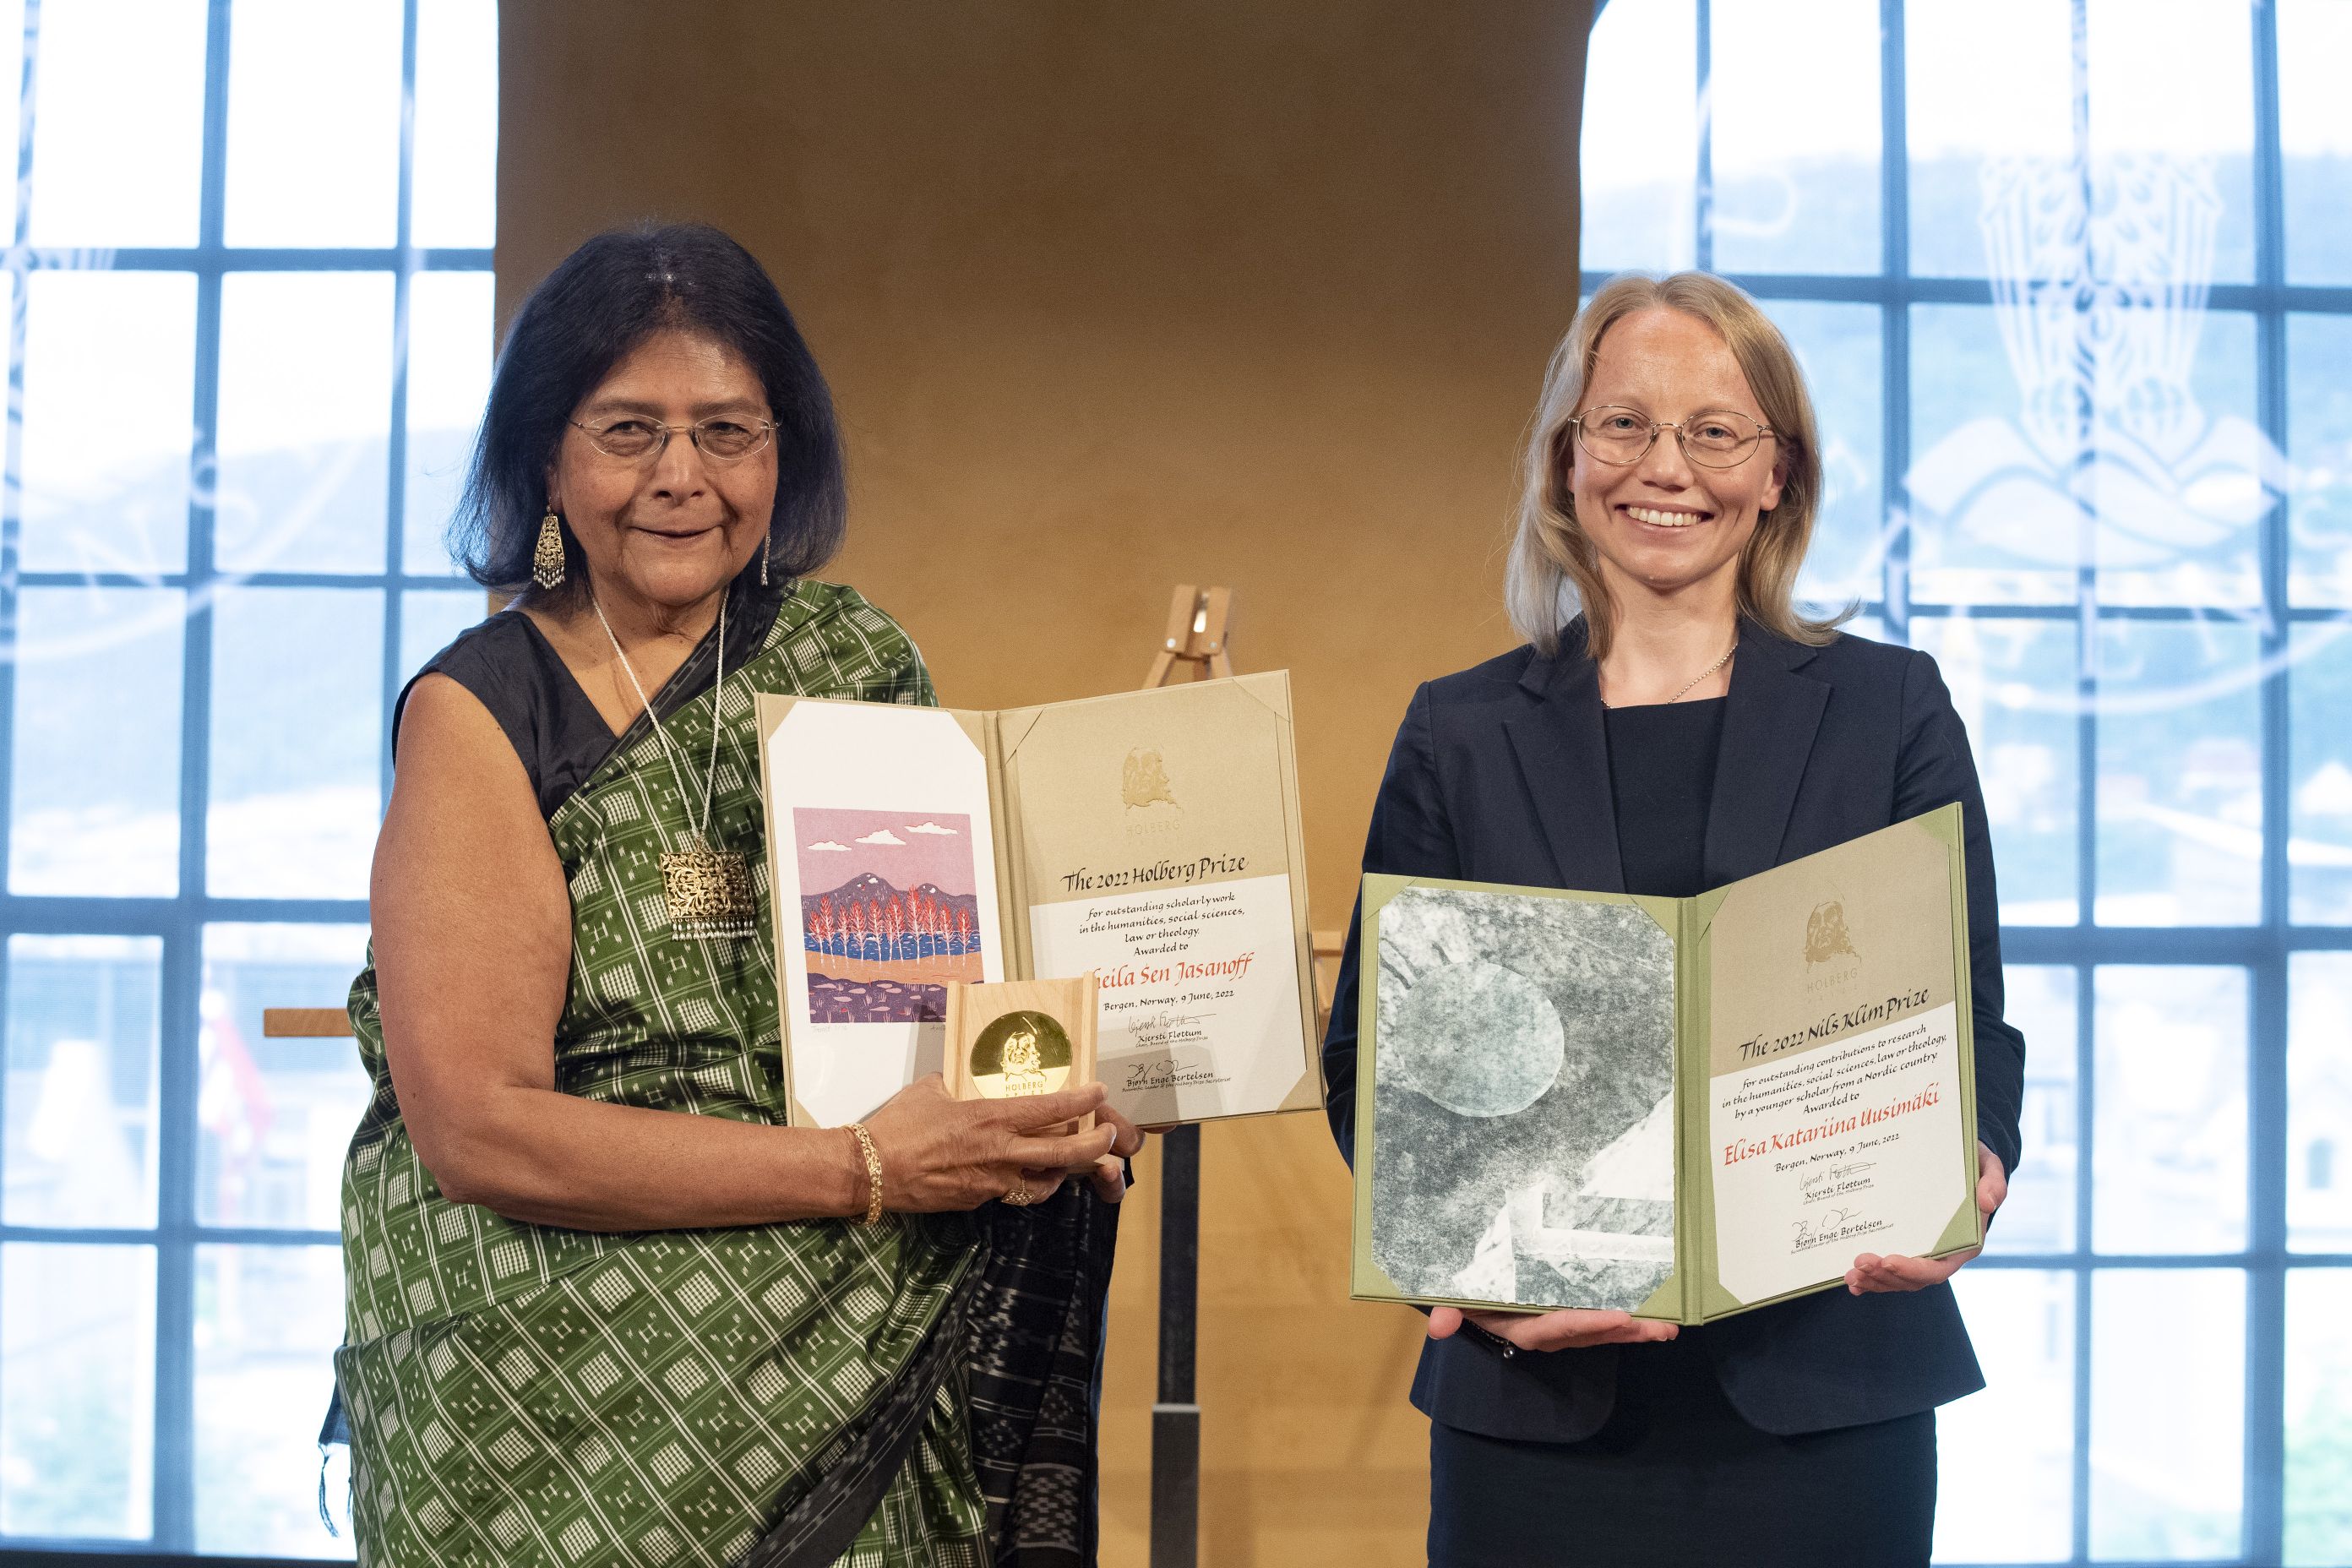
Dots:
{"x": 1164, "y": 1073}
{"x": 1819, "y": 1228}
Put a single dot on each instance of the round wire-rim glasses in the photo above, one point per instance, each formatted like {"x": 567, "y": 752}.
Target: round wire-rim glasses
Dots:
{"x": 722, "y": 437}
{"x": 1722, "y": 438}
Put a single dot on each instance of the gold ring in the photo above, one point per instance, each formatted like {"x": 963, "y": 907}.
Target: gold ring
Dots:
{"x": 1019, "y": 1195}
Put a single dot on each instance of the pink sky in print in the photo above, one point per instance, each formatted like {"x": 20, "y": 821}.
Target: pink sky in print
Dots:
{"x": 904, "y": 849}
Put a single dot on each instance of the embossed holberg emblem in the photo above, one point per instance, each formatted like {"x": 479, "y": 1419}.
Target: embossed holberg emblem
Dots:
{"x": 1025, "y": 1067}
{"x": 1825, "y": 934}
{"x": 1144, "y": 781}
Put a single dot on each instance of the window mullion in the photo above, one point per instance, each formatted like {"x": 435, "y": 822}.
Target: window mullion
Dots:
{"x": 179, "y": 1027}
{"x": 2086, "y": 1139}
{"x": 12, "y": 470}
{"x": 1895, "y": 323}
{"x": 2086, "y": 860}
{"x": 183, "y": 991}
{"x": 2266, "y": 1176}
{"x": 396, "y": 510}
{"x": 1703, "y": 176}
{"x": 2266, "y": 1088}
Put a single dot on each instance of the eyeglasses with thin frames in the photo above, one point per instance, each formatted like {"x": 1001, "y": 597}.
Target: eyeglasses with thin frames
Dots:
{"x": 1613, "y": 434}
{"x": 722, "y": 439}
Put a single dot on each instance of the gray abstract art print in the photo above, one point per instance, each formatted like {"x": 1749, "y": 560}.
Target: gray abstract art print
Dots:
{"x": 1524, "y": 1100}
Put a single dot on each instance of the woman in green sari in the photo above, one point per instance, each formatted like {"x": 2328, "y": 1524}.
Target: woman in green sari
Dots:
{"x": 604, "y": 1306}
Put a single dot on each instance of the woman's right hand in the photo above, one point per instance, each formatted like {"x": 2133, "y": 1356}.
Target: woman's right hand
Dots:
{"x": 1572, "y": 1328}
{"x": 942, "y": 1153}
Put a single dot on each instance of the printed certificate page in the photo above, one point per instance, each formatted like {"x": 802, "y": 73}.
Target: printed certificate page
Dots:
{"x": 1155, "y": 841}
{"x": 1836, "y": 1087}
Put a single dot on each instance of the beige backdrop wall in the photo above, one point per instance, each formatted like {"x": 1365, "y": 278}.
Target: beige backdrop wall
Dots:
{"x": 1111, "y": 297}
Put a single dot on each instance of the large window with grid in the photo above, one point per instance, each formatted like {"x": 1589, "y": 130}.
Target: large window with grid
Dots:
{"x": 249, "y": 331}
{"x": 2072, "y": 282}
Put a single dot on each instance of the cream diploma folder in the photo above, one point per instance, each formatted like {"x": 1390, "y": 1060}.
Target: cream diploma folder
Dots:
{"x": 1678, "y": 1108}
{"x": 1150, "y": 837}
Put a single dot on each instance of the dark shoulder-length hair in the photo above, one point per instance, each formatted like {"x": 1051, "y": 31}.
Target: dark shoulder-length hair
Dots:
{"x": 599, "y": 304}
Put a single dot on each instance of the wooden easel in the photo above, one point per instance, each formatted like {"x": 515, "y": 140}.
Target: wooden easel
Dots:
{"x": 1197, "y": 619}
{"x": 1192, "y": 649}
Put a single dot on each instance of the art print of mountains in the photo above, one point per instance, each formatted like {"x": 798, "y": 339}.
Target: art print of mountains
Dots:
{"x": 881, "y": 954}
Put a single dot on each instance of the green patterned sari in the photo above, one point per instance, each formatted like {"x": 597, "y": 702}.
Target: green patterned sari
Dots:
{"x": 522, "y": 1394}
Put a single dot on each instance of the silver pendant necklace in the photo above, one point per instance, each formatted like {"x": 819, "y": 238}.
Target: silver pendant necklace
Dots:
{"x": 707, "y": 892}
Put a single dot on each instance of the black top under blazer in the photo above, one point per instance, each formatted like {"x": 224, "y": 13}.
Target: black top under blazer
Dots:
{"x": 1500, "y": 773}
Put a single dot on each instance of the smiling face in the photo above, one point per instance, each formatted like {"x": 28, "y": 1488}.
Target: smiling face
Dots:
{"x": 1664, "y": 527}
{"x": 670, "y": 531}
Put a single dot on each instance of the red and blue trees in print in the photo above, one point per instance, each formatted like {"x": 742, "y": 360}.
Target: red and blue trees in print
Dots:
{"x": 881, "y": 924}
{"x": 889, "y": 912}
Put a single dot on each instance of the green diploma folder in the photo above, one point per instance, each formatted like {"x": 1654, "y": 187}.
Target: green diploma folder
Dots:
{"x": 1678, "y": 1108}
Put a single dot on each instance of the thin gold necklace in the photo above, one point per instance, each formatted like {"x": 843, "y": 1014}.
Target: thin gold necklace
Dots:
{"x": 1694, "y": 679}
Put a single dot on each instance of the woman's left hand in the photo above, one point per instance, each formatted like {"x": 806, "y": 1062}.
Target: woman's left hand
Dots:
{"x": 1107, "y": 1175}
{"x": 1871, "y": 1272}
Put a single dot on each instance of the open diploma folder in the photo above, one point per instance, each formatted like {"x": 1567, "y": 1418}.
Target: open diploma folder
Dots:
{"x": 1152, "y": 838}
{"x": 1678, "y": 1108}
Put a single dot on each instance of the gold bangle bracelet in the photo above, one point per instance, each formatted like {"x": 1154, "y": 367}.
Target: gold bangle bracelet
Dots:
{"x": 873, "y": 1173}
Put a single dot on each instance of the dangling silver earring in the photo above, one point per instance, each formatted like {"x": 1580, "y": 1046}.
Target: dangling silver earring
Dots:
{"x": 547, "y": 557}
{"x": 767, "y": 548}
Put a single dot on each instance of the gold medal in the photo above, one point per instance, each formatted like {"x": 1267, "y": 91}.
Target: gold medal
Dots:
{"x": 1013, "y": 1037}
{"x": 707, "y": 891}
{"x": 1027, "y": 1052}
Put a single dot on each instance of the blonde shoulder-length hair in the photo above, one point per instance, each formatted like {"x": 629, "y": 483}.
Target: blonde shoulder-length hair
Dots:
{"x": 1554, "y": 569}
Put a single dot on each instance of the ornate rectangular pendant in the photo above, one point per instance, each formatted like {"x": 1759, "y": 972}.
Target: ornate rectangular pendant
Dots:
{"x": 707, "y": 891}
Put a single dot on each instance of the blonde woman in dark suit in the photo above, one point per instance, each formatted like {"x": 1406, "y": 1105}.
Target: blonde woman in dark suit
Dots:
{"x": 1673, "y": 723}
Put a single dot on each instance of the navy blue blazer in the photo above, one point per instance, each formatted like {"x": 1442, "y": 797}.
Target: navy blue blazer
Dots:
{"x": 1500, "y": 773}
